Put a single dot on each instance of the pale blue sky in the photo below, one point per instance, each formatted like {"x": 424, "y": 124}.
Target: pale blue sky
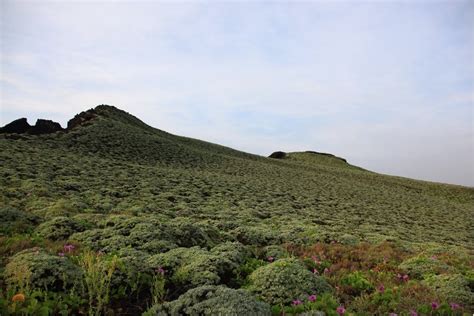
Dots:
{"x": 387, "y": 85}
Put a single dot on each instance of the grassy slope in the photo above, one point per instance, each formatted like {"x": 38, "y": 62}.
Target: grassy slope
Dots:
{"x": 117, "y": 164}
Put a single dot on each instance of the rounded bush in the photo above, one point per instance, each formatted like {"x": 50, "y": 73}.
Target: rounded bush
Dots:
{"x": 16, "y": 221}
{"x": 453, "y": 287}
{"x": 192, "y": 267}
{"x": 59, "y": 228}
{"x": 212, "y": 300}
{"x": 41, "y": 270}
{"x": 285, "y": 280}
{"x": 420, "y": 267}
{"x": 256, "y": 236}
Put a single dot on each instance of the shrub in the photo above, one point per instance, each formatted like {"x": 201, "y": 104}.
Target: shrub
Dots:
{"x": 16, "y": 221}
{"x": 420, "y": 267}
{"x": 131, "y": 275}
{"x": 275, "y": 252}
{"x": 357, "y": 283}
{"x": 45, "y": 271}
{"x": 285, "y": 280}
{"x": 192, "y": 267}
{"x": 454, "y": 288}
{"x": 212, "y": 300}
{"x": 255, "y": 236}
{"x": 188, "y": 234}
{"x": 97, "y": 270}
{"x": 59, "y": 228}
{"x": 348, "y": 239}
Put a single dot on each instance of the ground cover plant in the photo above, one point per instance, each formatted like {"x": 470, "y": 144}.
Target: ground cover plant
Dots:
{"x": 113, "y": 217}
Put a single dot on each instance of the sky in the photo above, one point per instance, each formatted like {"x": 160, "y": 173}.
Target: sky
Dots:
{"x": 388, "y": 85}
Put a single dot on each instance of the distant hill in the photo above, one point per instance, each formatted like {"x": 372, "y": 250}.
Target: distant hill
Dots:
{"x": 109, "y": 162}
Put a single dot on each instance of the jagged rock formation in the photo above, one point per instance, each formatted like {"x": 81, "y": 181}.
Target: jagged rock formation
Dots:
{"x": 18, "y": 126}
{"x": 21, "y": 126}
{"x": 81, "y": 118}
{"x": 45, "y": 127}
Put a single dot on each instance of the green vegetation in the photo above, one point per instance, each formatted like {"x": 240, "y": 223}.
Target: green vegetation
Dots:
{"x": 114, "y": 217}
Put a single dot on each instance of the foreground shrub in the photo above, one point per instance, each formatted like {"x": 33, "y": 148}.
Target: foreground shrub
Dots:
{"x": 454, "y": 288}
{"x": 59, "y": 228}
{"x": 212, "y": 300}
{"x": 193, "y": 267}
{"x": 285, "y": 280}
{"x": 98, "y": 270}
{"x": 41, "y": 270}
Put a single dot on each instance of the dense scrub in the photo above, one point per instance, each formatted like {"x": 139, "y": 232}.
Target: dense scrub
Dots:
{"x": 115, "y": 217}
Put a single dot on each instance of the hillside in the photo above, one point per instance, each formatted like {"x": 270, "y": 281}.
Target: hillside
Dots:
{"x": 111, "y": 183}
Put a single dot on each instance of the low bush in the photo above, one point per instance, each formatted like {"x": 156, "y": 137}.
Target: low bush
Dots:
{"x": 285, "y": 280}
{"x": 41, "y": 270}
{"x": 212, "y": 300}
{"x": 60, "y": 228}
{"x": 420, "y": 267}
{"x": 453, "y": 288}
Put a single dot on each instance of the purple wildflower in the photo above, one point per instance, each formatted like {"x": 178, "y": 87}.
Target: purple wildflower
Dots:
{"x": 315, "y": 271}
{"x": 405, "y": 278}
{"x": 413, "y": 313}
{"x": 454, "y": 306}
{"x": 161, "y": 271}
{"x": 381, "y": 288}
{"x": 434, "y": 305}
{"x": 326, "y": 270}
{"x": 340, "y": 310}
{"x": 69, "y": 247}
{"x": 312, "y": 298}
{"x": 297, "y": 302}
{"x": 393, "y": 314}
{"x": 270, "y": 259}
{"x": 61, "y": 254}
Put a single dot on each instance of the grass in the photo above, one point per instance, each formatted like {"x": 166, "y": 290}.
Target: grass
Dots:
{"x": 118, "y": 186}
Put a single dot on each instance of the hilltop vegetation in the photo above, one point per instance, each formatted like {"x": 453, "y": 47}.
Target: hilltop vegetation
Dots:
{"x": 150, "y": 218}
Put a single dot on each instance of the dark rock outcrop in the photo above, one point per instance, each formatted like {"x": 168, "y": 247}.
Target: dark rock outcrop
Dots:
{"x": 21, "y": 126}
{"x": 81, "y": 118}
{"x": 18, "y": 126}
{"x": 45, "y": 127}
{"x": 278, "y": 155}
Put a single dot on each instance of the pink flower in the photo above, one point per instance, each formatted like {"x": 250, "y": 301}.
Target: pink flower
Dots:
{"x": 392, "y": 314}
{"x": 312, "y": 298}
{"x": 315, "y": 271}
{"x": 405, "y": 278}
{"x": 270, "y": 259}
{"x": 340, "y": 310}
{"x": 297, "y": 302}
{"x": 434, "y": 257}
{"x": 413, "y": 313}
{"x": 326, "y": 270}
{"x": 69, "y": 247}
{"x": 381, "y": 288}
{"x": 61, "y": 254}
{"x": 435, "y": 305}
{"x": 454, "y": 306}
{"x": 161, "y": 271}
